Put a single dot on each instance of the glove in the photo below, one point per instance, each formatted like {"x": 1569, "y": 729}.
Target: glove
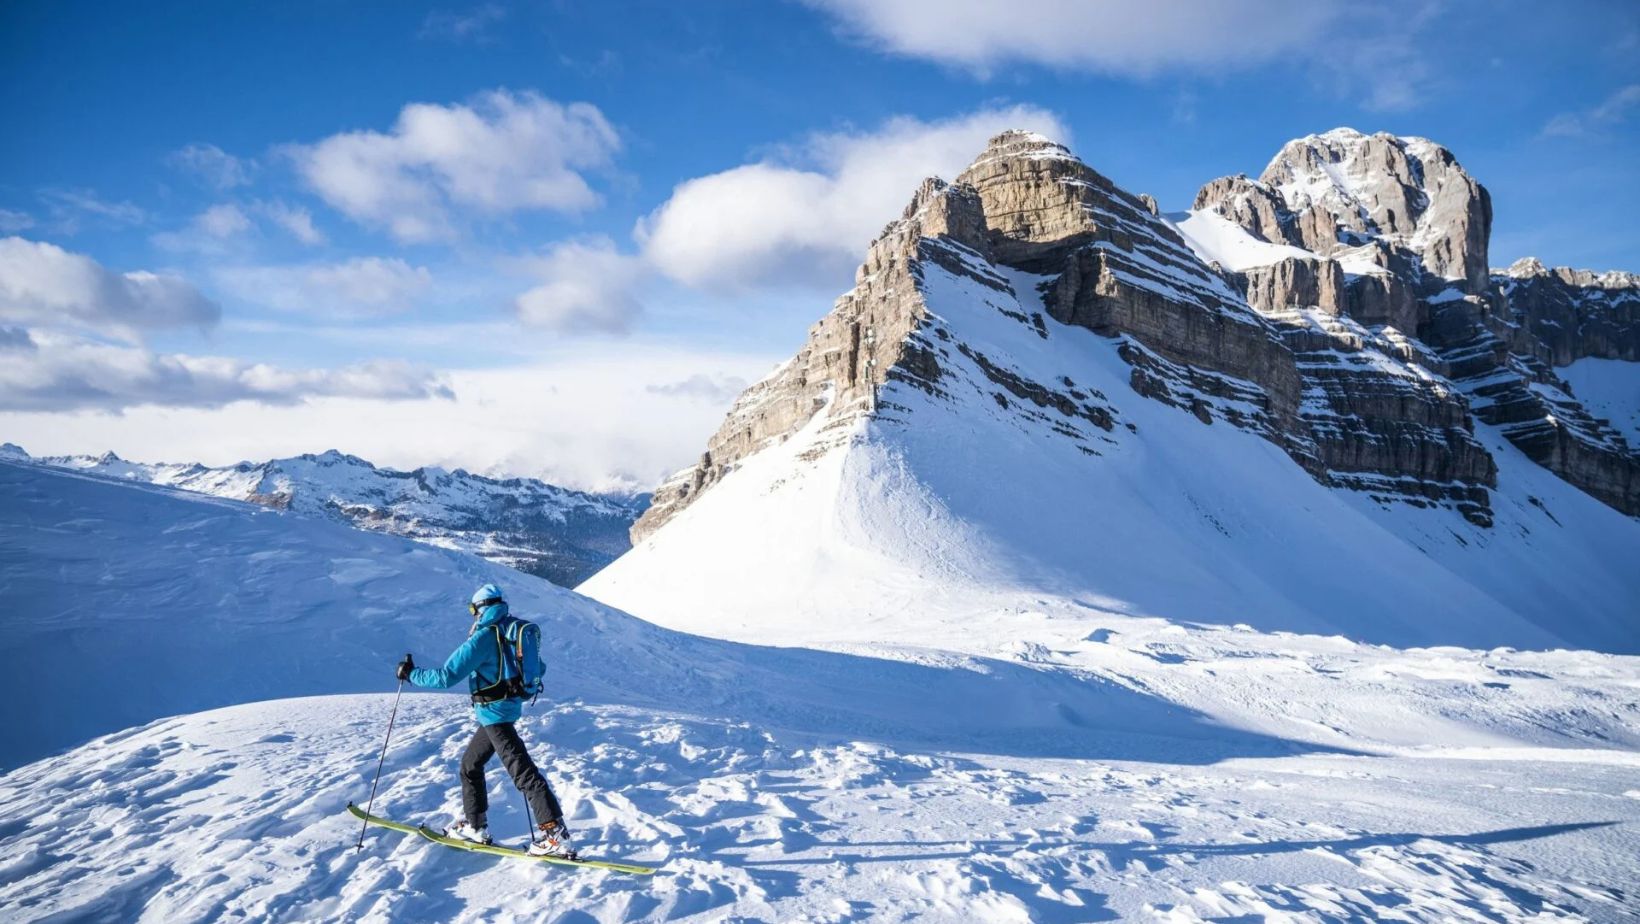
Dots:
{"x": 405, "y": 667}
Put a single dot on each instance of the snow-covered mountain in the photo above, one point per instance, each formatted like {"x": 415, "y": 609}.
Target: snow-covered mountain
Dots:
{"x": 538, "y": 528}
{"x": 1041, "y": 389}
{"x": 1392, "y": 233}
{"x": 1061, "y": 575}
{"x": 1094, "y": 766}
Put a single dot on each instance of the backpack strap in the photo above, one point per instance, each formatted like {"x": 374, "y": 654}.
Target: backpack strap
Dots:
{"x": 502, "y": 688}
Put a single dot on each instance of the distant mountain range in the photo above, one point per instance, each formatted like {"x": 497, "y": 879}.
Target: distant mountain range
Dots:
{"x": 562, "y": 535}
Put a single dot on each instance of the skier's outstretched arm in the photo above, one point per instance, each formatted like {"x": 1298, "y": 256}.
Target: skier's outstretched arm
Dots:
{"x": 462, "y": 662}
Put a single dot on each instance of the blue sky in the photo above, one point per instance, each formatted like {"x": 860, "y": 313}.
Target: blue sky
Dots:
{"x": 555, "y": 238}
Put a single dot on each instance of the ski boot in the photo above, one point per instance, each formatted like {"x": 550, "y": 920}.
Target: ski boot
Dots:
{"x": 462, "y": 831}
{"x": 552, "y": 840}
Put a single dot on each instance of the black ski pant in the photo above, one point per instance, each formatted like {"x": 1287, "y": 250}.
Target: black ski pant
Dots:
{"x": 503, "y": 739}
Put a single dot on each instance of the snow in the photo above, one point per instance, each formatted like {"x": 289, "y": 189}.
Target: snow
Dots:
{"x": 973, "y": 659}
{"x": 237, "y": 813}
{"x": 1215, "y": 238}
{"x": 1050, "y": 760}
{"x": 930, "y": 519}
{"x": 1609, "y": 388}
{"x": 520, "y": 522}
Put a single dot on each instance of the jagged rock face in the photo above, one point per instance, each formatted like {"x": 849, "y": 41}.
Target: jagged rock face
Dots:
{"x": 1409, "y": 192}
{"x": 1382, "y": 421}
{"x": 1537, "y": 412}
{"x": 1112, "y": 265}
{"x": 1409, "y": 229}
{"x": 1121, "y": 270}
{"x": 1574, "y": 313}
{"x": 1292, "y": 283}
{"x": 862, "y": 343}
{"x": 1254, "y": 206}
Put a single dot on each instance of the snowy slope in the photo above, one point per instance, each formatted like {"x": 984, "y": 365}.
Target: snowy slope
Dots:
{"x": 536, "y": 527}
{"x": 238, "y": 814}
{"x": 1089, "y": 766}
{"x": 932, "y": 512}
{"x": 1609, "y": 388}
{"x": 159, "y": 602}
{"x": 1216, "y": 239}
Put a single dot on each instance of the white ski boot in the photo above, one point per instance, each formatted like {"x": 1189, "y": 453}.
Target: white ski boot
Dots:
{"x": 462, "y": 831}
{"x": 552, "y": 840}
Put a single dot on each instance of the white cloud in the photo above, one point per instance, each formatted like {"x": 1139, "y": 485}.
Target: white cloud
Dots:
{"x": 360, "y": 287}
{"x": 467, "y": 25}
{"x": 72, "y": 209}
{"x": 716, "y": 389}
{"x": 215, "y": 230}
{"x": 1128, "y": 37}
{"x": 223, "y": 220}
{"x": 11, "y": 221}
{"x": 208, "y": 232}
{"x": 588, "y": 420}
{"x": 295, "y": 220}
{"x": 61, "y": 372}
{"x": 503, "y": 152}
{"x": 1613, "y": 110}
{"x": 44, "y": 285}
{"x": 212, "y": 166}
{"x": 587, "y": 286}
{"x": 810, "y": 221}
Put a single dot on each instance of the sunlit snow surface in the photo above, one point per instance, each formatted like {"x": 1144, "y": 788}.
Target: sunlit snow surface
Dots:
{"x": 1002, "y": 755}
{"x": 1169, "y": 678}
{"x": 1609, "y": 388}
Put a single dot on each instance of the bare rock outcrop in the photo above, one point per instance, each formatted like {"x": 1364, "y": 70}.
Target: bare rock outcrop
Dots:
{"x": 1410, "y": 230}
{"x": 1410, "y": 193}
{"x": 1382, "y": 420}
{"x": 1294, "y": 282}
{"x": 1368, "y": 360}
{"x": 1120, "y": 270}
{"x": 864, "y": 341}
{"x": 1573, "y": 313}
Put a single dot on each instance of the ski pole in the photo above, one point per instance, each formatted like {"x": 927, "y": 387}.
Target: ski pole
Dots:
{"x": 364, "y": 825}
{"x": 528, "y": 815}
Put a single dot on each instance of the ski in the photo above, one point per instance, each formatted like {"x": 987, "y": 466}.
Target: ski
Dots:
{"x": 439, "y": 838}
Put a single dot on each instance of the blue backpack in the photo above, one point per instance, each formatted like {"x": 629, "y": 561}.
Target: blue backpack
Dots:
{"x": 518, "y": 651}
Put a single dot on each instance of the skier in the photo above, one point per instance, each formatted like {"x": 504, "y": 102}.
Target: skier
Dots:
{"x": 498, "y": 705}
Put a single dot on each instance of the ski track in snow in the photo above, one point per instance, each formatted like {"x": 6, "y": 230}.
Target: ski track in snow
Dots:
{"x": 237, "y": 814}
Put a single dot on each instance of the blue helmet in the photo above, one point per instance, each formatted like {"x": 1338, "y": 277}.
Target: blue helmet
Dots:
{"x": 485, "y": 596}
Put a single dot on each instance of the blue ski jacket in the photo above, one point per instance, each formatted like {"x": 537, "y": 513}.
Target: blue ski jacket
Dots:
{"x": 478, "y": 661}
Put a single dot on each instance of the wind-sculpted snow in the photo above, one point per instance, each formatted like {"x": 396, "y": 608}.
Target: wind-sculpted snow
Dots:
{"x": 237, "y": 814}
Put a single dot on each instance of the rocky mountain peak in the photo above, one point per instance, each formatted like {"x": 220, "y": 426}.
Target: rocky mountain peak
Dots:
{"x": 1355, "y": 333}
{"x": 1340, "y": 189}
{"x": 1041, "y": 203}
{"x": 1524, "y": 267}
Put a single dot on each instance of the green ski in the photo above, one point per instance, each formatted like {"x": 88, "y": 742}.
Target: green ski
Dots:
{"x": 438, "y": 838}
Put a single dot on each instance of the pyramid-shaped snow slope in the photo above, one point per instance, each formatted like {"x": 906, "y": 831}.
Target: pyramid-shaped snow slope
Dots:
{"x": 1036, "y": 389}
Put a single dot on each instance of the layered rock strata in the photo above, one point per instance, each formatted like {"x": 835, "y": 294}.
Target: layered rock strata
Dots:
{"x": 1118, "y": 269}
{"x": 1408, "y": 229}
{"x": 1107, "y": 262}
{"x": 1572, "y": 314}
{"x": 866, "y": 339}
